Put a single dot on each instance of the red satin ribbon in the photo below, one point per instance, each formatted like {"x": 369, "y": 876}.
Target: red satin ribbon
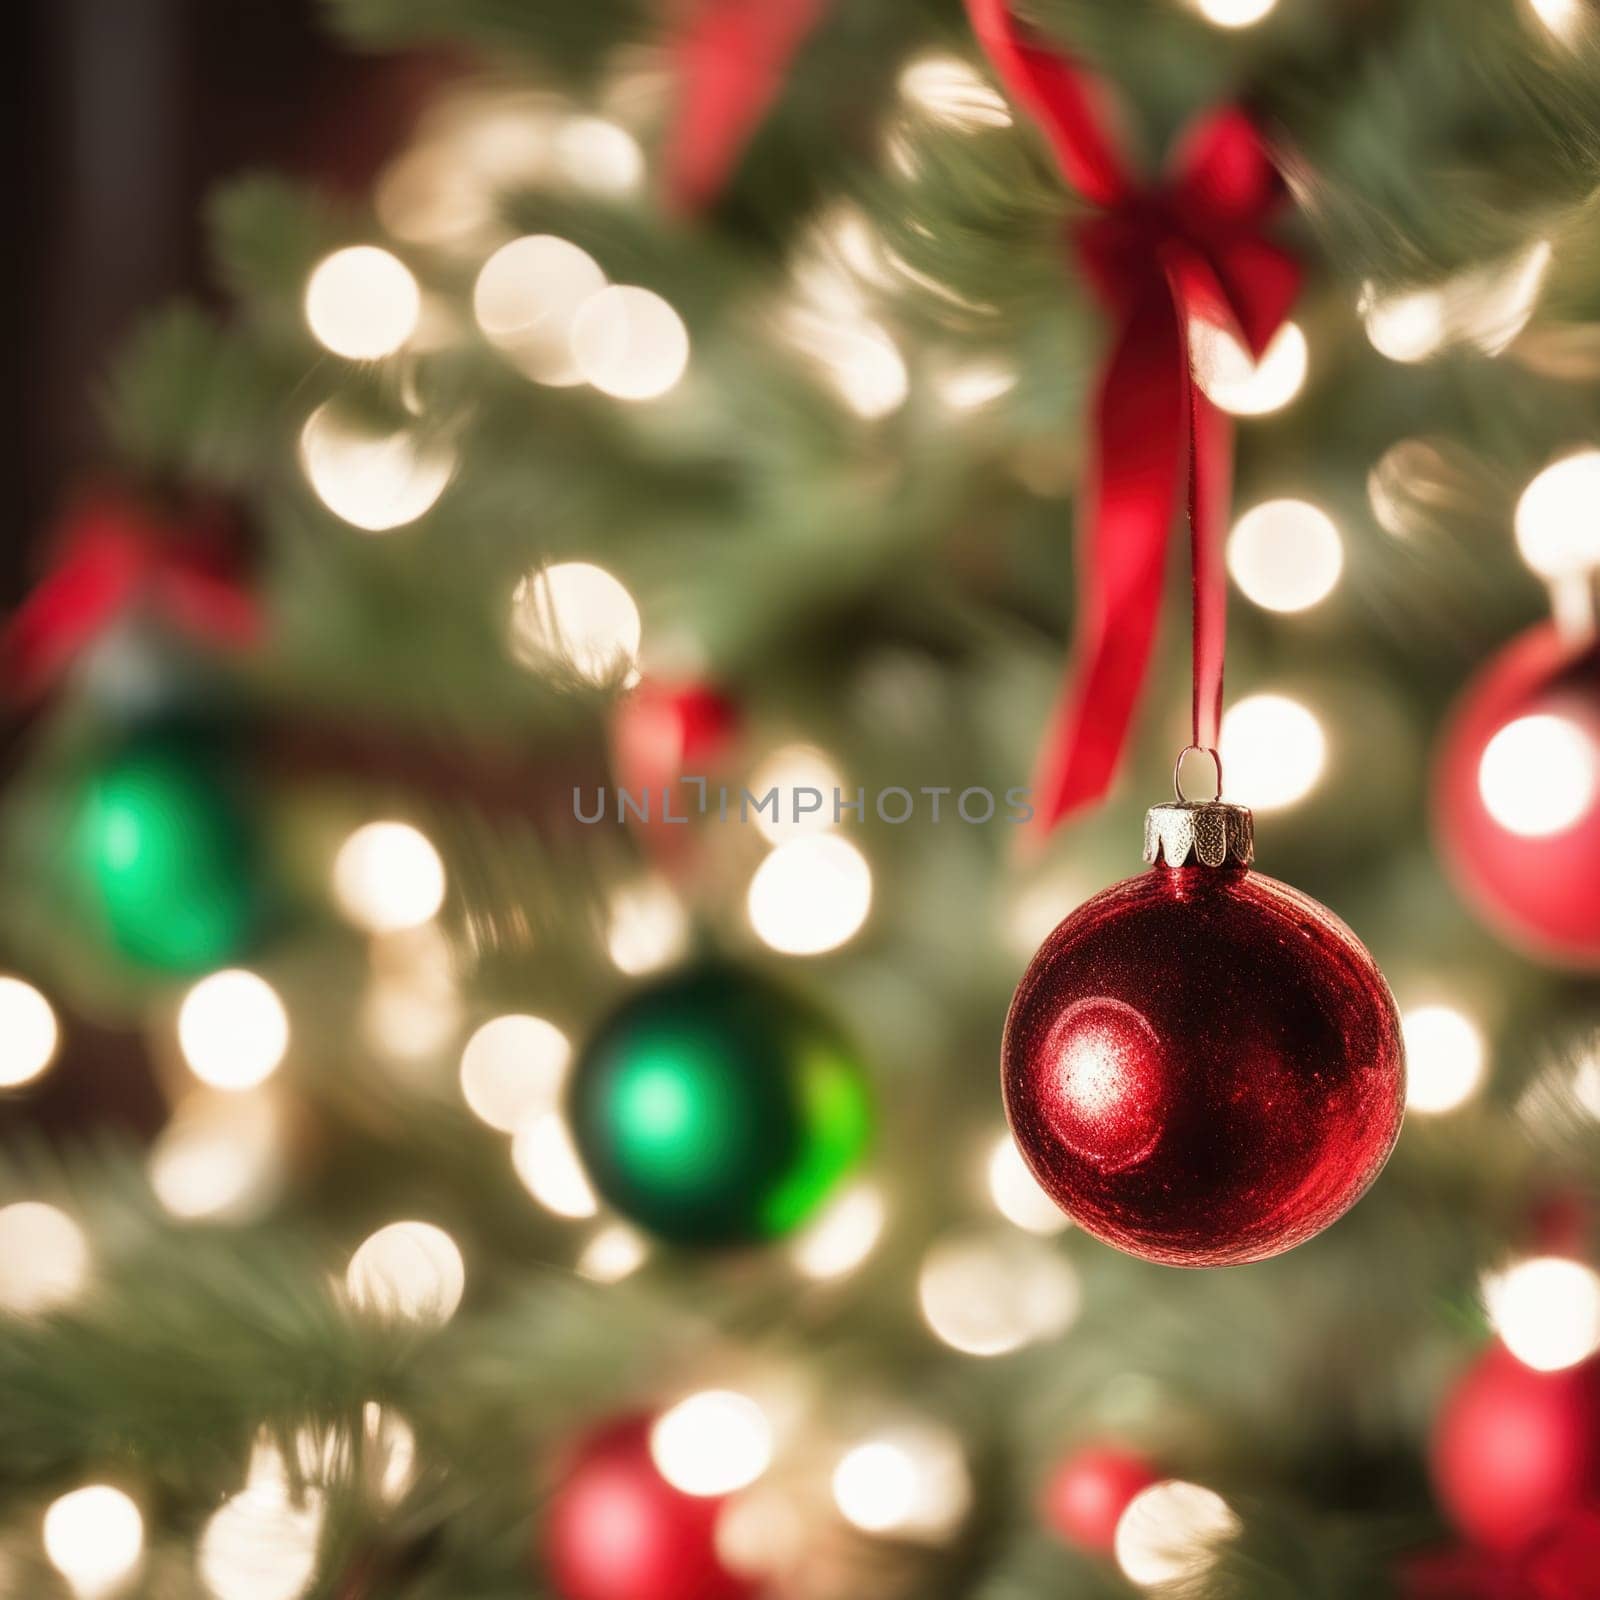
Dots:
{"x": 115, "y": 556}
{"x": 1161, "y": 255}
{"x": 731, "y": 57}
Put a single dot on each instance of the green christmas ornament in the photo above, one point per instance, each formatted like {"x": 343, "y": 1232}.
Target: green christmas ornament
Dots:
{"x": 718, "y": 1108}
{"x": 164, "y": 854}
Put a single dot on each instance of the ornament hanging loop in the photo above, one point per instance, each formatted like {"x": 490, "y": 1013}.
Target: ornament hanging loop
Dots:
{"x": 1177, "y": 771}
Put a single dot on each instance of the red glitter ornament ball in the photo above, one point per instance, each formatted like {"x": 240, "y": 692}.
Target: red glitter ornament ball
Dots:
{"x": 1517, "y": 796}
{"x": 615, "y": 1529}
{"x": 1202, "y": 1065}
{"x": 1085, "y": 1496}
{"x": 1515, "y": 1452}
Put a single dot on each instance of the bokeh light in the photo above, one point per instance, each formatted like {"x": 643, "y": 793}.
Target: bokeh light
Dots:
{"x": 1236, "y": 382}
{"x": 1285, "y": 555}
{"x": 28, "y": 1033}
{"x": 362, "y": 303}
{"x": 1273, "y": 751}
{"x": 629, "y": 343}
{"x": 221, "y": 1158}
{"x": 975, "y": 384}
{"x": 1234, "y": 13}
{"x": 577, "y": 616}
{"x": 1539, "y": 775}
{"x": 810, "y": 895}
{"x": 262, "y": 1543}
{"x": 647, "y": 928}
{"x": 950, "y": 91}
{"x": 598, "y": 155}
{"x": 988, "y": 1294}
{"x": 713, "y": 1443}
{"x": 233, "y": 1030}
{"x": 1558, "y": 532}
{"x": 388, "y": 877}
{"x": 1016, "y": 1192}
{"x": 1406, "y": 327}
{"x": 512, "y": 1067}
{"x": 858, "y": 358}
{"x": 1564, "y": 18}
{"x": 373, "y": 481}
{"x": 44, "y": 1258}
{"x": 613, "y": 1253}
{"x": 908, "y": 1482}
{"x": 795, "y": 767}
{"x": 407, "y": 1272}
{"x": 1546, "y": 1311}
{"x": 1170, "y": 1533}
{"x": 843, "y": 1236}
{"x": 527, "y": 298}
{"x": 94, "y": 1538}
{"x": 547, "y": 1162}
{"x": 1446, "y": 1058}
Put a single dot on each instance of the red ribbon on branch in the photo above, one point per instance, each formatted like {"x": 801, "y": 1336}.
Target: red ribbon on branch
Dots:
{"x": 731, "y": 58}
{"x": 115, "y": 555}
{"x": 1162, "y": 254}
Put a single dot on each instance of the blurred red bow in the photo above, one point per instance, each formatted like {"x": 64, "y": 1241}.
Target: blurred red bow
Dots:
{"x": 1185, "y": 248}
{"x": 115, "y": 555}
{"x": 731, "y": 56}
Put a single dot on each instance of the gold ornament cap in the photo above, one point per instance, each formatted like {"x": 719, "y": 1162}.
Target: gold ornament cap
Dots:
{"x": 1205, "y": 833}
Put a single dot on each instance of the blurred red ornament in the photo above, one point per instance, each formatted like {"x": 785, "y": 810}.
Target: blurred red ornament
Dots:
{"x": 1202, "y": 1065}
{"x": 1517, "y": 796}
{"x": 664, "y": 732}
{"x": 1460, "y": 1574}
{"x": 663, "y": 735}
{"x": 1085, "y": 1496}
{"x": 615, "y": 1529}
{"x": 115, "y": 554}
{"x": 1516, "y": 1452}
{"x": 1564, "y": 1563}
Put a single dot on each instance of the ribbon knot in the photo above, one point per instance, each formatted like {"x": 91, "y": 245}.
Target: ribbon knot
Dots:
{"x": 1189, "y": 247}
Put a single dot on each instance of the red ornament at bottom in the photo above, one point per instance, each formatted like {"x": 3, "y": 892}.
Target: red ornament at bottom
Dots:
{"x": 1515, "y": 1452}
{"x": 615, "y": 1529}
{"x": 1516, "y": 797}
{"x": 1085, "y": 1496}
{"x": 1202, "y": 1065}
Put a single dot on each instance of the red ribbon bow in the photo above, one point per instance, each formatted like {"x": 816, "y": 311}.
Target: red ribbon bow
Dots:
{"x": 1186, "y": 247}
{"x": 115, "y": 555}
{"x": 731, "y": 60}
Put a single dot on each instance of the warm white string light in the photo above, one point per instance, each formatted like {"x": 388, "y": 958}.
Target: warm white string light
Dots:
{"x": 1546, "y": 1311}
{"x": 1539, "y": 775}
{"x": 577, "y": 616}
{"x": 1233, "y": 380}
{"x": 1170, "y": 1533}
{"x": 362, "y": 303}
{"x": 407, "y": 1272}
{"x": 374, "y": 481}
{"x": 44, "y": 1258}
{"x": 29, "y": 1033}
{"x": 233, "y": 1030}
{"x": 810, "y": 895}
{"x": 94, "y": 1537}
{"x": 989, "y": 1294}
{"x": 1273, "y": 751}
{"x": 1285, "y": 555}
{"x": 1446, "y": 1058}
{"x": 546, "y": 1160}
{"x": 512, "y": 1068}
{"x": 388, "y": 877}
{"x": 713, "y": 1443}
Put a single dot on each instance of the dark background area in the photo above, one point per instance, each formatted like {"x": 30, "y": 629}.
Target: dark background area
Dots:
{"x": 122, "y": 115}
